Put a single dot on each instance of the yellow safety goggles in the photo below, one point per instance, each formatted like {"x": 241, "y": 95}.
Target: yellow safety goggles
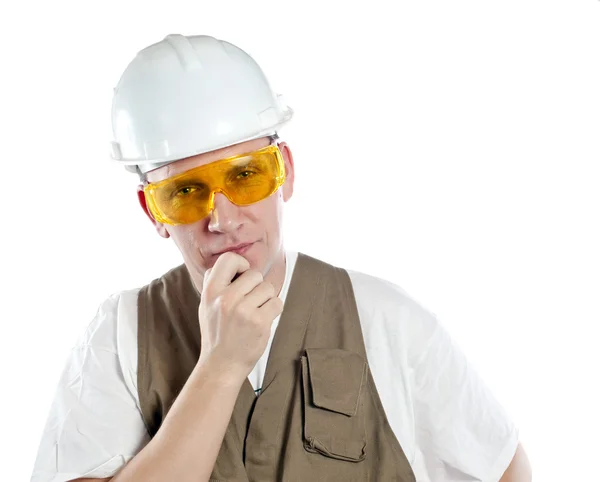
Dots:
{"x": 244, "y": 179}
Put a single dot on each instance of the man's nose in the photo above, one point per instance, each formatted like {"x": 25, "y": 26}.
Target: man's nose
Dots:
{"x": 225, "y": 217}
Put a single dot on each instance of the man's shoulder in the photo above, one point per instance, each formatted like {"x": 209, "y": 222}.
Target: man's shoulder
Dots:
{"x": 383, "y": 293}
{"x": 115, "y": 313}
{"x": 122, "y": 305}
{"x": 378, "y": 295}
{"x": 174, "y": 277}
{"x": 386, "y": 307}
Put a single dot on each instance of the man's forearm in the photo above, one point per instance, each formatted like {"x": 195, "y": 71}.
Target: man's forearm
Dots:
{"x": 186, "y": 446}
{"x": 519, "y": 469}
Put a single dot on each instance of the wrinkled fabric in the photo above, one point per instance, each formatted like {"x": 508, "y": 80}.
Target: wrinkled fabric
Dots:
{"x": 447, "y": 421}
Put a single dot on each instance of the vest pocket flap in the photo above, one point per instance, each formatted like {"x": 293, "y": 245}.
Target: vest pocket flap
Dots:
{"x": 336, "y": 379}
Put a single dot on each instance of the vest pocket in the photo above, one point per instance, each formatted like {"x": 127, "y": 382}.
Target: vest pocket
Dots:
{"x": 333, "y": 391}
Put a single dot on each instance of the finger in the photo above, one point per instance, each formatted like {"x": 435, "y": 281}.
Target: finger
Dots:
{"x": 227, "y": 266}
{"x": 246, "y": 282}
{"x": 258, "y": 296}
{"x": 272, "y": 308}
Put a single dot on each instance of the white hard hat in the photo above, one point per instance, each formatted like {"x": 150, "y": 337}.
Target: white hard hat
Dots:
{"x": 189, "y": 95}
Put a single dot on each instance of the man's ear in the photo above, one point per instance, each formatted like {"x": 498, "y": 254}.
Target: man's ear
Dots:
{"x": 288, "y": 186}
{"x": 160, "y": 228}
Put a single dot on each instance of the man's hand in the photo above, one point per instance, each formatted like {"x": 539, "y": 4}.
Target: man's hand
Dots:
{"x": 236, "y": 316}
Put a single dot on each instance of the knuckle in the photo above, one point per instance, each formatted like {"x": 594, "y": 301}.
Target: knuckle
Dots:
{"x": 240, "y": 310}
{"x": 256, "y": 319}
{"x": 256, "y": 275}
{"x": 270, "y": 289}
{"x": 209, "y": 291}
{"x": 222, "y": 303}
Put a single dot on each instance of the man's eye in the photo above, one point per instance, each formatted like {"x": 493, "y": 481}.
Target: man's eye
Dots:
{"x": 245, "y": 174}
{"x": 184, "y": 191}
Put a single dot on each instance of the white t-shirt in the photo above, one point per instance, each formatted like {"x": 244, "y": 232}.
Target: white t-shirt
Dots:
{"x": 448, "y": 423}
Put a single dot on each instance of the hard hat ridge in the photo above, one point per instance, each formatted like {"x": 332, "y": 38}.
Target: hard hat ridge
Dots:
{"x": 187, "y": 95}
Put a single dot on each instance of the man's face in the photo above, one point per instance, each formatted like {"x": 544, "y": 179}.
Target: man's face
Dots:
{"x": 229, "y": 225}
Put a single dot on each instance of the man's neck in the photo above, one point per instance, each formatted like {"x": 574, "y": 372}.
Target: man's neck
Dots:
{"x": 276, "y": 275}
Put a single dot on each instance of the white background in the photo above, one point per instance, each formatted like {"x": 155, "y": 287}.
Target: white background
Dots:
{"x": 451, "y": 147}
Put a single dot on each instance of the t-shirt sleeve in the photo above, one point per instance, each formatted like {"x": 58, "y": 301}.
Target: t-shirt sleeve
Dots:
{"x": 94, "y": 426}
{"x": 462, "y": 431}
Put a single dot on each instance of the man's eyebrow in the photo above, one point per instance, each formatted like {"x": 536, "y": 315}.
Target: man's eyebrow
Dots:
{"x": 188, "y": 182}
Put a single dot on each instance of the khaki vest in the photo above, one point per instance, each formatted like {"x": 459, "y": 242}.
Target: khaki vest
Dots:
{"x": 319, "y": 417}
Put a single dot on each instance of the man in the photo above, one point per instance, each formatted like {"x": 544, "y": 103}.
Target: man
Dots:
{"x": 251, "y": 362}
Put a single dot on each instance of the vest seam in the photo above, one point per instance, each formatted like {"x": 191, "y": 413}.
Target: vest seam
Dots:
{"x": 371, "y": 386}
{"x": 143, "y": 354}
